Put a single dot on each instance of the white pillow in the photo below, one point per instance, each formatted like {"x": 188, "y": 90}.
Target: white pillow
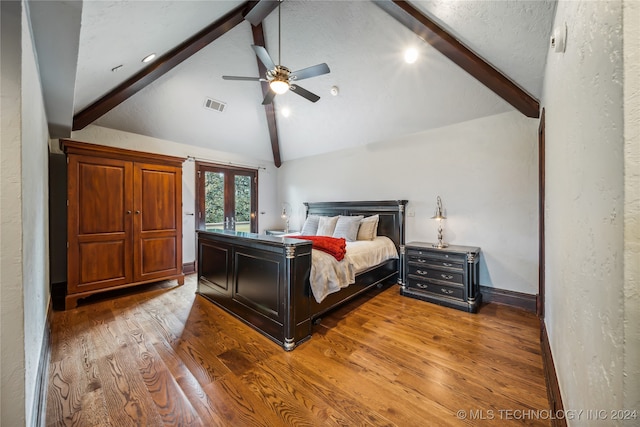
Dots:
{"x": 368, "y": 228}
{"x": 310, "y": 227}
{"x": 347, "y": 227}
{"x": 326, "y": 225}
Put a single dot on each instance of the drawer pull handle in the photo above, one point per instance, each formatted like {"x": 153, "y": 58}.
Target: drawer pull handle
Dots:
{"x": 421, "y": 286}
{"x": 421, "y": 272}
{"x": 446, "y": 291}
{"x": 446, "y": 264}
{"x": 421, "y": 260}
{"x": 446, "y": 276}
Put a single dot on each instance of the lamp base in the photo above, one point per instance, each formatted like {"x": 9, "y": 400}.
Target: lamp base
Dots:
{"x": 440, "y": 245}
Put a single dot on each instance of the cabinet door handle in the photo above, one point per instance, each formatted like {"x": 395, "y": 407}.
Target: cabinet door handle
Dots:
{"x": 446, "y": 264}
{"x": 128, "y": 212}
{"x": 137, "y": 212}
{"x": 446, "y": 291}
{"x": 446, "y": 276}
{"x": 421, "y": 286}
{"x": 421, "y": 272}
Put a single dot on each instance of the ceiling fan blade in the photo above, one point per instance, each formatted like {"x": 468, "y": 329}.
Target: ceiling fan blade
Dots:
{"x": 316, "y": 70}
{"x": 253, "y": 79}
{"x": 263, "y": 55}
{"x": 260, "y": 11}
{"x": 268, "y": 98}
{"x": 304, "y": 93}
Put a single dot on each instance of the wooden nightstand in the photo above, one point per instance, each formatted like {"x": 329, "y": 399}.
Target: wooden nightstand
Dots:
{"x": 446, "y": 276}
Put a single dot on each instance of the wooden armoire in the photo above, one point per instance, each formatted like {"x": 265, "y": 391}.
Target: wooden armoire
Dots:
{"x": 124, "y": 219}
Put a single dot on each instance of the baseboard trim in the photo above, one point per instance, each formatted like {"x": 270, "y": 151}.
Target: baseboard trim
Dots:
{"x": 189, "y": 267}
{"x": 511, "y": 298}
{"x": 42, "y": 381}
{"x": 553, "y": 387}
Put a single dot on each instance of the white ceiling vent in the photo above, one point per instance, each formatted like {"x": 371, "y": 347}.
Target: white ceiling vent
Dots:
{"x": 212, "y": 104}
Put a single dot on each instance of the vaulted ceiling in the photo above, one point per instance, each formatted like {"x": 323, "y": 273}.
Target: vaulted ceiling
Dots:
{"x": 380, "y": 97}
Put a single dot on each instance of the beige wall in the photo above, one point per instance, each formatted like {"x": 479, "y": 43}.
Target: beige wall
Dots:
{"x": 12, "y": 403}
{"x": 588, "y": 198}
{"x": 24, "y": 286}
{"x": 485, "y": 171}
{"x": 631, "y": 47}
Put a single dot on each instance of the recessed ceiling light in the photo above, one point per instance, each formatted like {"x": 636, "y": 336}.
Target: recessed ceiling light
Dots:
{"x": 149, "y": 58}
{"x": 411, "y": 55}
{"x": 286, "y": 112}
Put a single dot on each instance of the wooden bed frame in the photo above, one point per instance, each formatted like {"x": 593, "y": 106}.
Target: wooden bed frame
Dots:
{"x": 264, "y": 280}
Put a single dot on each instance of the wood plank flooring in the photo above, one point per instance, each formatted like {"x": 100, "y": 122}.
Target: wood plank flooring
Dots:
{"x": 162, "y": 356}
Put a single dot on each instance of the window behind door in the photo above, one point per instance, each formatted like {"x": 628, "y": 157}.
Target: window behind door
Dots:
{"x": 227, "y": 198}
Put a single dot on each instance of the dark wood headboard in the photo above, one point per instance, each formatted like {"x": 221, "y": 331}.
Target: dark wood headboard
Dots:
{"x": 391, "y": 214}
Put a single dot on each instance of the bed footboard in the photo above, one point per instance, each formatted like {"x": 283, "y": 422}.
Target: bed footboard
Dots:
{"x": 261, "y": 280}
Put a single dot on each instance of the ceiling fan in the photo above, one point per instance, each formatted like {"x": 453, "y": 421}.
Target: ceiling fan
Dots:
{"x": 279, "y": 77}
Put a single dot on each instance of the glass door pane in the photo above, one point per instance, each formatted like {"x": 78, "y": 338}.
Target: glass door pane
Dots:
{"x": 214, "y": 200}
{"x": 227, "y": 198}
{"x": 242, "y": 210}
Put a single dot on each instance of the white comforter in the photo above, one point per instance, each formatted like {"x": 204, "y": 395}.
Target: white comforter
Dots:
{"x": 329, "y": 275}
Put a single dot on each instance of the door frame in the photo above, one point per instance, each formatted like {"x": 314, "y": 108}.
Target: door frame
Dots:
{"x": 541, "y": 213}
{"x": 230, "y": 171}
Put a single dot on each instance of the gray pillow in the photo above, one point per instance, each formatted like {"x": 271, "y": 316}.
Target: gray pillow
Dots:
{"x": 347, "y": 227}
{"x": 310, "y": 227}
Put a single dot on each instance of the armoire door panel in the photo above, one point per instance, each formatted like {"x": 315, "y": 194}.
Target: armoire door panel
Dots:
{"x": 157, "y": 198}
{"x": 158, "y": 255}
{"x": 101, "y": 197}
{"x": 102, "y": 264}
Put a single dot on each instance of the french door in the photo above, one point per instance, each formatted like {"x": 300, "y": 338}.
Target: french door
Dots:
{"x": 227, "y": 198}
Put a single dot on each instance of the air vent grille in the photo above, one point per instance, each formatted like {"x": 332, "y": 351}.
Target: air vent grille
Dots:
{"x": 212, "y": 104}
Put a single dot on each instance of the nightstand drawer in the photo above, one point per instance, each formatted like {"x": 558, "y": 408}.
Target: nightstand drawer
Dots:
{"x": 437, "y": 262}
{"x": 436, "y": 256}
{"x": 449, "y": 291}
{"x": 433, "y": 274}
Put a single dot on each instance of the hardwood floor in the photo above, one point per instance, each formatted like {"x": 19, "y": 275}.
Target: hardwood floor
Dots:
{"x": 161, "y": 355}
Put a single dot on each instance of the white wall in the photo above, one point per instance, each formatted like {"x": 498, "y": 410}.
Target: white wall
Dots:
{"x": 24, "y": 245}
{"x": 485, "y": 171}
{"x": 267, "y": 203}
{"x": 585, "y": 209}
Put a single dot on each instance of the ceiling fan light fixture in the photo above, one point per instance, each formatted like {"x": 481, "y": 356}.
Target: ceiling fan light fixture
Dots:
{"x": 279, "y": 86}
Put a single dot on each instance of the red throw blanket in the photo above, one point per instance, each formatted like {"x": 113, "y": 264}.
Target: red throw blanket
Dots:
{"x": 331, "y": 245}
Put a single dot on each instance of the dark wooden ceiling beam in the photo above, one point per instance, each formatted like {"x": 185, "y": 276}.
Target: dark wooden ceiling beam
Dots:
{"x": 269, "y": 109}
{"x": 161, "y": 66}
{"x": 465, "y": 58}
{"x": 260, "y": 11}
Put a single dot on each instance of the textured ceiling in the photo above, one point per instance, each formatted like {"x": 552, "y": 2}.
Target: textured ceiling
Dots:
{"x": 381, "y": 97}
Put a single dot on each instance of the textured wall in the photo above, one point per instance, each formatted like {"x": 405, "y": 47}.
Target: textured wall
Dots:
{"x": 585, "y": 206}
{"x": 35, "y": 216}
{"x": 12, "y": 405}
{"x": 485, "y": 171}
{"x": 266, "y": 177}
{"x": 631, "y": 42}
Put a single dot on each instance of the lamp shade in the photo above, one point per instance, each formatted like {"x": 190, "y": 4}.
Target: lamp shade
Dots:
{"x": 439, "y": 214}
